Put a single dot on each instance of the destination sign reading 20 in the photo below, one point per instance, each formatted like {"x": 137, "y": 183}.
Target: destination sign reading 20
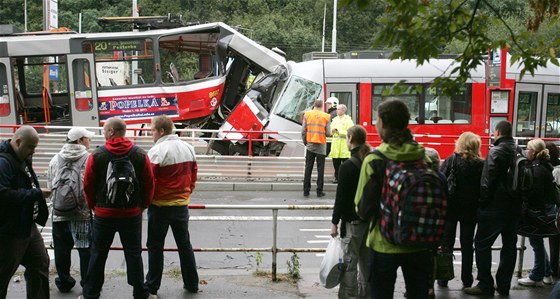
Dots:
{"x": 119, "y": 45}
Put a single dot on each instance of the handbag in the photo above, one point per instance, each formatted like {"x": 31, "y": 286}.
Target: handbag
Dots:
{"x": 443, "y": 266}
{"x": 539, "y": 223}
{"x": 332, "y": 265}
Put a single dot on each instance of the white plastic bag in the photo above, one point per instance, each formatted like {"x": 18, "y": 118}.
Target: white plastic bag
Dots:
{"x": 332, "y": 265}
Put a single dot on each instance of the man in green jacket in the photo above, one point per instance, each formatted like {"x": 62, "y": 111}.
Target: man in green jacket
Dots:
{"x": 386, "y": 257}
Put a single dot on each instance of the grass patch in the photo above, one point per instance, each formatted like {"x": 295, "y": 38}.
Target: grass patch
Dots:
{"x": 174, "y": 272}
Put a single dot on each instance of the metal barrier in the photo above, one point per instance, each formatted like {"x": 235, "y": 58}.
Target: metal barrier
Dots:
{"x": 274, "y": 249}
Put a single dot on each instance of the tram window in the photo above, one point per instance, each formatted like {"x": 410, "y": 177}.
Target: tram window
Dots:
{"x": 82, "y": 85}
{"x": 298, "y": 97}
{"x": 410, "y": 97}
{"x": 187, "y": 57}
{"x": 36, "y": 69}
{"x": 526, "y": 114}
{"x": 443, "y": 109}
{"x": 438, "y": 107}
{"x": 553, "y": 116}
{"x": 4, "y": 96}
{"x": 122, "y": 62}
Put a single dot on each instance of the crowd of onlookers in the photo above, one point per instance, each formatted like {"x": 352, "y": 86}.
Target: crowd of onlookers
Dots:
{"x": 481, "y": 201}
{"x": 95, "y": 195}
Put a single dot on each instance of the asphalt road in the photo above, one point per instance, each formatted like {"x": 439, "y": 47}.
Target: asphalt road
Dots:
{"x": 235, "y": 228}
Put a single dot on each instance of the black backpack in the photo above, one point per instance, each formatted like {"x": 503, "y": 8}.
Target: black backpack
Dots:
{"x": 519, "y": 175}
{"x": 121, "y": 185}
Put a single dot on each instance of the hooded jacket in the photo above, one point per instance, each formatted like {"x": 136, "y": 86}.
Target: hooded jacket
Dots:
{"x": 96, "y": 170}
{"x": 407, "y": 152}
{"x": 72, "y": 153}
{"x": 17, "y": 195}
{"x": 339, "y": 148}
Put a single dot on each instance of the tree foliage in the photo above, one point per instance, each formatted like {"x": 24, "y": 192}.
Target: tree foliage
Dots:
{"x": 425, "y": 29}
{"x": 414, "y": 29}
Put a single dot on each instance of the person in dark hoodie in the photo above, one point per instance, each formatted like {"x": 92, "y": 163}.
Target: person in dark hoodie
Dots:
{"x": 22, "y": 206}
{"x": 127, "y": 220}
{"x": 353, "y": 230}
{"x": 497, "y": 214}
{"x": 71, "y": 227}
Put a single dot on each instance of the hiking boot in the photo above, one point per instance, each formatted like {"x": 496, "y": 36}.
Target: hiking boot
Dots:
{"x": 306, "y": 193}
{"x": 321, "y": 194}
{"x": 529, "y": 282}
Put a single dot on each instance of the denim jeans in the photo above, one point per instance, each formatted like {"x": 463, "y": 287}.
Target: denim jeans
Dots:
{"x": 353, "y": 283}
{"x": 63, "y": 244}
{"x": 159, "y": 221}
{"x": 466, "y": 237}
{"x": 309, "y": 162}
{"x": 416, "y": 268}
{"x": 541, "y": 268}
{"x": 491, "y": 224}
{"x": 130, "y": 233}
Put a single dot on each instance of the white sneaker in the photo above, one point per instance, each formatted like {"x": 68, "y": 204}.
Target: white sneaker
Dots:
{"x": 152, "y": 296}
{"x": 529, "y": 282}
{"x": 548, "y": 280}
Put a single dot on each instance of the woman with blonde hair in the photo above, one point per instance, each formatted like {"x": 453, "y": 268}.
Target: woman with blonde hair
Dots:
{"x": 540, "y": 198}
{"x": 463, "y": 169}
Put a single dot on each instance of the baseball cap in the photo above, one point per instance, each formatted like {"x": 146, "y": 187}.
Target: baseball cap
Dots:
{"x": 77, "y": 133}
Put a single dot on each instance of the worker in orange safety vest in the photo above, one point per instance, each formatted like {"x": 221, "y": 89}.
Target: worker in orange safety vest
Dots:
{"x": 314, "y": 132}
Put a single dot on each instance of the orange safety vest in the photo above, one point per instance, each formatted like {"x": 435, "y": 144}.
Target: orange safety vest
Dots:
{"x": 316, "y": 126}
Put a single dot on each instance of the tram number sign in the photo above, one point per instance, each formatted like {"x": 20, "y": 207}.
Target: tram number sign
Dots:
{"x": 119, "y": 45}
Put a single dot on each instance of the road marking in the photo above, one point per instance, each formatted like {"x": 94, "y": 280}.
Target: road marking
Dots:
{"x": 318, "y": 241}
{"x": 322, "y": 236}
{"x": 256, "y": 218}
{"x": 314, "y": 230}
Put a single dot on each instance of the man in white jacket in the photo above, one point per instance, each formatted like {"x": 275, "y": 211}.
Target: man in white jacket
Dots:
{"x": 71, "y": 222}
{"x": 173, "y": 162}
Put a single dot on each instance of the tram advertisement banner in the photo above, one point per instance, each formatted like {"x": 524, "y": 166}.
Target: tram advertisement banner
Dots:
{"x": 139, "y": 106}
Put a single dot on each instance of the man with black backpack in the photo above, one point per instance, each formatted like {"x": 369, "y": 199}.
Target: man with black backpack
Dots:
{"x": 498, "y": 212}
{"x": 71, "y": 215}
{"x": 405, "y": 201}
{"x": 119, "y": 185}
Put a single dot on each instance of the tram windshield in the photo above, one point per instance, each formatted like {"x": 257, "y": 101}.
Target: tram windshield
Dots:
{"x": 298, "y": 96}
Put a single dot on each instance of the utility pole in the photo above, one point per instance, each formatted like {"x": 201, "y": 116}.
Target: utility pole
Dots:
{"x": 334, "y": 28}
{"x": 324, "y": 21}
{"x": 25, "y": 16}
{"x": 134, "y": 75}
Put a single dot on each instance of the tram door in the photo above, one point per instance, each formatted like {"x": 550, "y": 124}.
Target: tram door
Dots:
{"x": 537, "y": 111}
{"x": 83, "y": 90}
{"x": 346, "y": 94}
{"x": 8, "y": 112}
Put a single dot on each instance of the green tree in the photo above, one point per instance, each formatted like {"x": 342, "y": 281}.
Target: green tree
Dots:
{"x": 425, "y": 29}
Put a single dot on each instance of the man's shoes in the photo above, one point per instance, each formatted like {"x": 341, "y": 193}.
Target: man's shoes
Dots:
{"x": 306, "y": 194}
{"x": 529, "y": 282}
{"x": 548, "y": 280}
{"x": 321, "y": 194}
{"x": 152, "y": 296}
{"x": 191, "y": 289}
{"x": 503, "y": 292}
{"x": 477, "y": 291}
{"x": 442, "y": 283}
